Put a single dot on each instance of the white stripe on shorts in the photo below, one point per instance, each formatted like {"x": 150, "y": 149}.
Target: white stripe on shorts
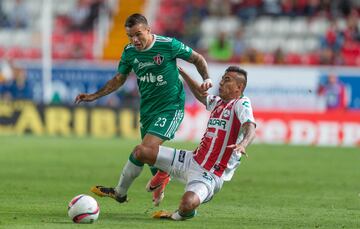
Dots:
{"x": 173, "y": 122}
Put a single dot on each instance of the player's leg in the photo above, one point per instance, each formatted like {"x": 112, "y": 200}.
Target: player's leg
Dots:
{"x": 152, "y": 124}
{"x": 201, "y": 187}
{"x": 187, "y": 208}
{"x": 148, "y": 154}
{"x": 196, "y": 193}
{"x": 144, "y": 153}
{"x": 130, "y": 171}
{"x": 164, "y": 125}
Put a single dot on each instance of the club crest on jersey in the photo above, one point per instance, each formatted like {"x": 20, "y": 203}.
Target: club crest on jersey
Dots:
{"x": 158, "y": 59}
{"x": 226, "y": 113}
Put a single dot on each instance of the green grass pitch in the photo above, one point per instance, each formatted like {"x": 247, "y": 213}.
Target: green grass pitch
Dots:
{"x": 276, "y": 187}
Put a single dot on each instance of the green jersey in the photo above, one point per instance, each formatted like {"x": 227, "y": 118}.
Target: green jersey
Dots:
{"x": 157, "y": 74}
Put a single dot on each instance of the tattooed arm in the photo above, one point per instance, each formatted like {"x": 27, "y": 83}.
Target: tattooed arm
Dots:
{"x": 248, "y": 130}
{"x": 195, "y": 88}
{"x": 201, "y": 66}
{"x": 112, "y": 85}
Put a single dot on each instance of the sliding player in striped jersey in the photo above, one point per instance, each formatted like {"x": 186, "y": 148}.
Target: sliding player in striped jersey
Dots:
{"x": 230, "y": 129}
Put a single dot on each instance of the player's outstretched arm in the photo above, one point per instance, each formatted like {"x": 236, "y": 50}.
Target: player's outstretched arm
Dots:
{"x": 195, "y": 88}
{"x": 248, "y": 130}
{"x": 117, "y": 81}
{"x": 199, "y": 61}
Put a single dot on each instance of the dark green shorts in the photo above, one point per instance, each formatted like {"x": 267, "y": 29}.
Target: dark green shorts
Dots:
{"x": 164, "y": 125}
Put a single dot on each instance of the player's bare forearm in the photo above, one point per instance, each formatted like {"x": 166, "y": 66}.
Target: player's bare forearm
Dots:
{"x": 112, "y": 85}
{"x": 248, "y": 130}
{"x": 109, "y": 87}
{"x": 200, "y": 63}
{"x": 195, "y": 88}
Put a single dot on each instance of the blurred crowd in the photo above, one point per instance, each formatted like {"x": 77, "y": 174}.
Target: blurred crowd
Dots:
{"x": 13, "y": 82}
{"x": 301, "y": 32}
{"x": 309, "y": 32}
{"x": 73, "y": 34}
{"x": 227, "y": 30}
{"x": 73, "y": 28}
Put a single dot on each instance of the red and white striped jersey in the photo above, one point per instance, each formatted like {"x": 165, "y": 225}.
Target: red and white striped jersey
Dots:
{"x": 223, "y": 129}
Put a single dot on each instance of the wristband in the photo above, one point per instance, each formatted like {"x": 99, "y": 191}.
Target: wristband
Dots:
{"x": 208, "y": 81}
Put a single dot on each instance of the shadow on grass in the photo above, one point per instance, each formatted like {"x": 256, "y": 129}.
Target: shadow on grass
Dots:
{"x": 116, "y": 217}
{"x": 127, "y": 217}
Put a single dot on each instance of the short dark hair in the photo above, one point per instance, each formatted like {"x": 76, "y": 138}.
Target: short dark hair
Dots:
{"x": 135, "y": 19}
{"x": 238, "y": 70}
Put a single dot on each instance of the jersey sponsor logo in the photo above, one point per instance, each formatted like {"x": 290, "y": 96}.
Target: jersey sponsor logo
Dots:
{"x": 215, "y": 122}
{"x": 207, "y": 176}
{"x": 158, "y": 59}
{"x": 216, "y": 167}
{"x": 246, "y": 104}
{"x": 211, "y": 101}
{"x": 182, "y": 156}
{"x": 150, "y": 78}
{"x": 210, "y": 134}
{"x": 144, "y": 64}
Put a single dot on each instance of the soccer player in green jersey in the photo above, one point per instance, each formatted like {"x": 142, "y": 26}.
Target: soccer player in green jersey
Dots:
{"x": 153, "y": 59}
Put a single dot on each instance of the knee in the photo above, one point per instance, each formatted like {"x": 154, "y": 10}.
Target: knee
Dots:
{"x": 139, "y": 152}
{"x": 145, "y": 154}
{"x": 189, "y": 202}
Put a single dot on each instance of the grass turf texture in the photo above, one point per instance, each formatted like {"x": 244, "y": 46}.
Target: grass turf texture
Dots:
{"x": 276, "y": 187}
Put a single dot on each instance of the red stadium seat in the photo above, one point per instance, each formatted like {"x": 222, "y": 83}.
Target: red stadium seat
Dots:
{"x": 293, "y": 58}
{"x": 15, "y": 52}
{"x": 2, "y": 52}
{"x": 32, "y": 53}
{"x": 310, "y": 59}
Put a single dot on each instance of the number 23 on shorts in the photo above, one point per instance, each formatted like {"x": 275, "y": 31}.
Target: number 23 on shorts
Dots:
{"x": 160, "y": 122}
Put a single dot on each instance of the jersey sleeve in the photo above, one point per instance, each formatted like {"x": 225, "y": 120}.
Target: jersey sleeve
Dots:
{"x": 124, "y": 66}
{"x": 211, "y": 101}
{"x": 180, "y": 50}
{"x": 244, "y": 111}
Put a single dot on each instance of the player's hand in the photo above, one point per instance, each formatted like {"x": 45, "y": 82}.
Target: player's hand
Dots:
{"x": 84, "y": 98}
{"x": 181, "y": 70}
{"x": 238, "y": 148}
{"x": 203, "y": 93}
{"x": 206, "y": 84}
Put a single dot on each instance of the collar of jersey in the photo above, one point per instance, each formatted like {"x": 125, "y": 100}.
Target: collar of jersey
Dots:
{"x": 152, "y": 44}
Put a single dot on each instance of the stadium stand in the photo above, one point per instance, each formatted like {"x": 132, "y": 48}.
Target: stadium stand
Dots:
{"x": 306, "y": 32}
{"x": 303, "y": 32}
{"x": 74, "y": 23}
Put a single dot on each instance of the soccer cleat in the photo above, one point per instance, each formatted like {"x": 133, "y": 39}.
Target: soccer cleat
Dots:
{"x": 173, "y": 215}
{"x": 162, "y": 214}
{"x": 158, "y": 196}
{"x": 108, "y": 192}
{"x": 157, "y": 186}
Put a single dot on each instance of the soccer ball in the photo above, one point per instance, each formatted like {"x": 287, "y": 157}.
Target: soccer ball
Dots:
{"x": 83, "y": 209}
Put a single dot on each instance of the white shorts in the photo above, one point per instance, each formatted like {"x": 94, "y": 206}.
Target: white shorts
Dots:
{"x": 181, "y": 166}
